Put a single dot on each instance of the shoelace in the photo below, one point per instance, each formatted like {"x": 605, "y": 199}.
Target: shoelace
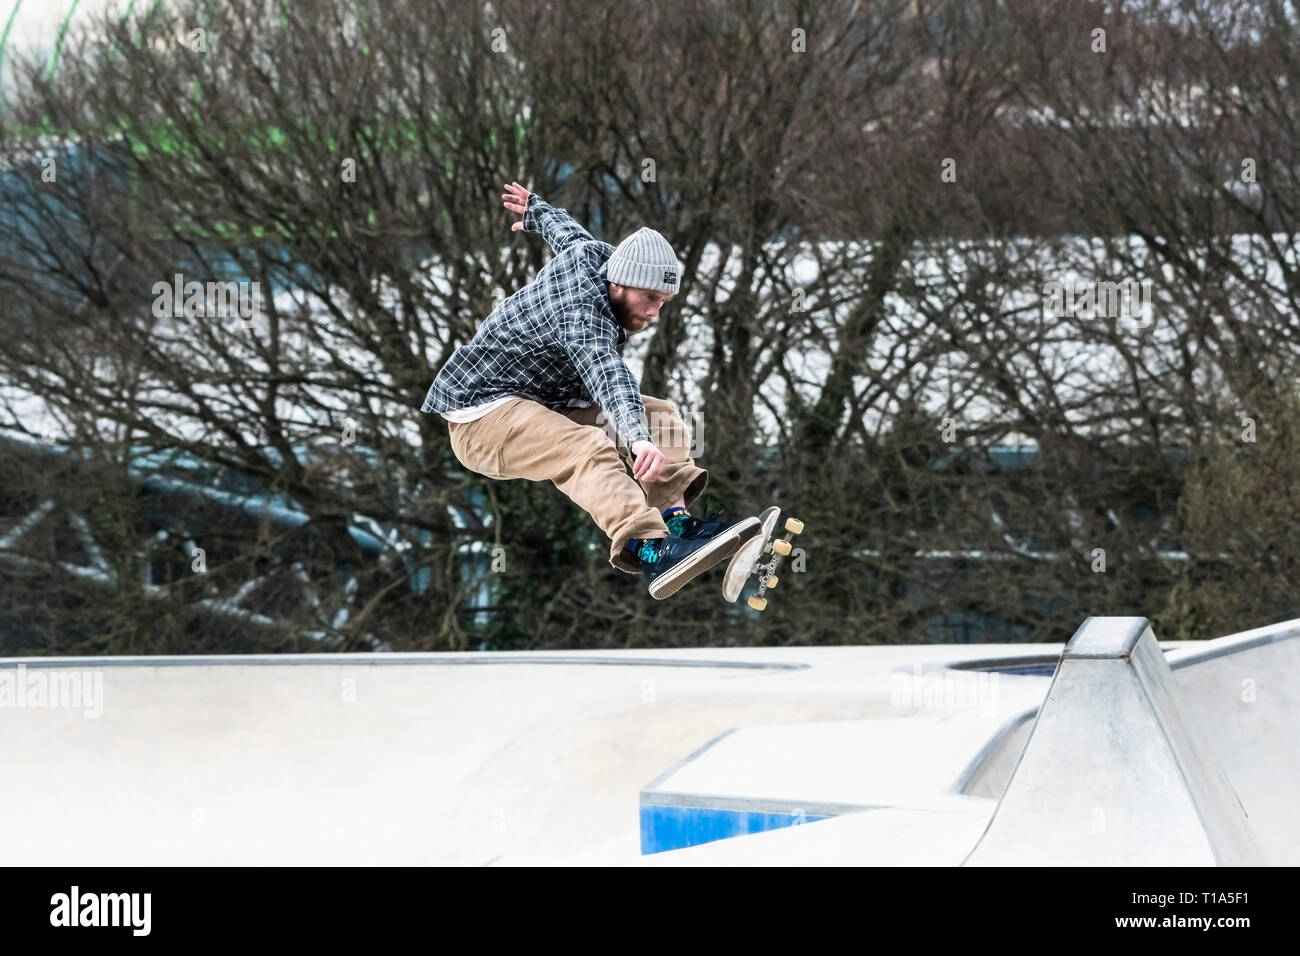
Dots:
{"x": 718, "y": 516}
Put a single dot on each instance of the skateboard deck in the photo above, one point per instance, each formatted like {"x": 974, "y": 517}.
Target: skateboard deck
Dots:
{"x": 759, "y": 559}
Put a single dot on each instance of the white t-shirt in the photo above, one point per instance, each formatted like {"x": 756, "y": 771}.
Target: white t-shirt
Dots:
{"x": 463, "y": 415}
{"x": 474, "y": 412}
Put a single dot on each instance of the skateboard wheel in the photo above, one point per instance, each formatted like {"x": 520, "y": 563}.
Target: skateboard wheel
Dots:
{"x": 757, "y": 603}
{"x": 793, "y": 525}
{"x": 771, "y": 582}
{"x": 781, "y": 546}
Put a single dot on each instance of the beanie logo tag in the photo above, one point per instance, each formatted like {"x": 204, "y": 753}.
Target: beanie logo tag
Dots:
{"x": 670, "y": 277}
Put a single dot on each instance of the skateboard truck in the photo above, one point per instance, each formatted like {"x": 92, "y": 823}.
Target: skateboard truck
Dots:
{"x": 749, "y": 561}
{"x": 766, "y": 573}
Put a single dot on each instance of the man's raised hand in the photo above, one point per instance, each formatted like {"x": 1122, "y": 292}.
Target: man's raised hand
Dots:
{"x": 515, "y": 199}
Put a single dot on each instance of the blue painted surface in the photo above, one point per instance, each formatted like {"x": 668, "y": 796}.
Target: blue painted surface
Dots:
{"x": 673, "y": 827}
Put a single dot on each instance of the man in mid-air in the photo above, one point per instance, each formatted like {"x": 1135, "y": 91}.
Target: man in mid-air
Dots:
{"x": 542, "y": 393}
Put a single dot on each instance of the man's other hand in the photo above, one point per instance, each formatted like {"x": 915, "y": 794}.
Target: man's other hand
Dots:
{"x": 649, "y": 462}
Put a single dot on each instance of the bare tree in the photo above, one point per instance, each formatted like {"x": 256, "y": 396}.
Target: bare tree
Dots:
{"x": 885, "y": 212}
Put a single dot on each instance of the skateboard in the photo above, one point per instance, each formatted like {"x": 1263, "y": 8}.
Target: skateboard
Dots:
{"x": 759, "y": 559}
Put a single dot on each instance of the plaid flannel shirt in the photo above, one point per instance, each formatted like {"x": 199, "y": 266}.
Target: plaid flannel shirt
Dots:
{"x": 554, "y": 340}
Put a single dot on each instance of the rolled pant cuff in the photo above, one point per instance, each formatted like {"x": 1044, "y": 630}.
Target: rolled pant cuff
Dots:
{"x": 687, "y": 487}
{"x": 646, "y": 528}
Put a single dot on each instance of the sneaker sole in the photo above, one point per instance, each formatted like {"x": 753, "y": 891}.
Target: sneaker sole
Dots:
{"x": 717, "y": 551}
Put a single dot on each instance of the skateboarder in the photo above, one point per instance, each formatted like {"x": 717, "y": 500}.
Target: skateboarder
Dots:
{"x": 542, "y": 393}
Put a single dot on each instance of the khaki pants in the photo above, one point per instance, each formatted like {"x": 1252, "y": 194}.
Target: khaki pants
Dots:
{"x": 576, "y": 451}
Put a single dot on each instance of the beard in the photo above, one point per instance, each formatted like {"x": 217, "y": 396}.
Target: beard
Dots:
{"x": 630, "y": 323}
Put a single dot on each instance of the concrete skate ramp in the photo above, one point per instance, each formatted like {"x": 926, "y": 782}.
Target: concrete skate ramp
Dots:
{"x": 1242, "y": 693}
{"x": 384, "y": 758}
{"x": 1115, "y": 771}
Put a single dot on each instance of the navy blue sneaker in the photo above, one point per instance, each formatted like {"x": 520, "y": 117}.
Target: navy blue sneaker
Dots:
{"x": 676, "y": 561}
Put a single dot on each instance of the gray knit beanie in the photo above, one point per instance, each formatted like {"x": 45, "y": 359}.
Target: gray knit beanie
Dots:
{"x": 644, "y": 260}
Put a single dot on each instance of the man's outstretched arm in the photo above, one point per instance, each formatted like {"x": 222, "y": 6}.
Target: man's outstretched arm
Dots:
{"x": 555, "y": 225}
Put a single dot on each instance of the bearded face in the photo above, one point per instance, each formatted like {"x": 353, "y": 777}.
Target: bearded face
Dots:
{"x": 636, "y": 309}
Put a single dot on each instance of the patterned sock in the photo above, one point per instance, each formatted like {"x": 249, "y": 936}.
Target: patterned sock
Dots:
{"x": 647, "y": 551}
{"x": 676, "y": 519}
